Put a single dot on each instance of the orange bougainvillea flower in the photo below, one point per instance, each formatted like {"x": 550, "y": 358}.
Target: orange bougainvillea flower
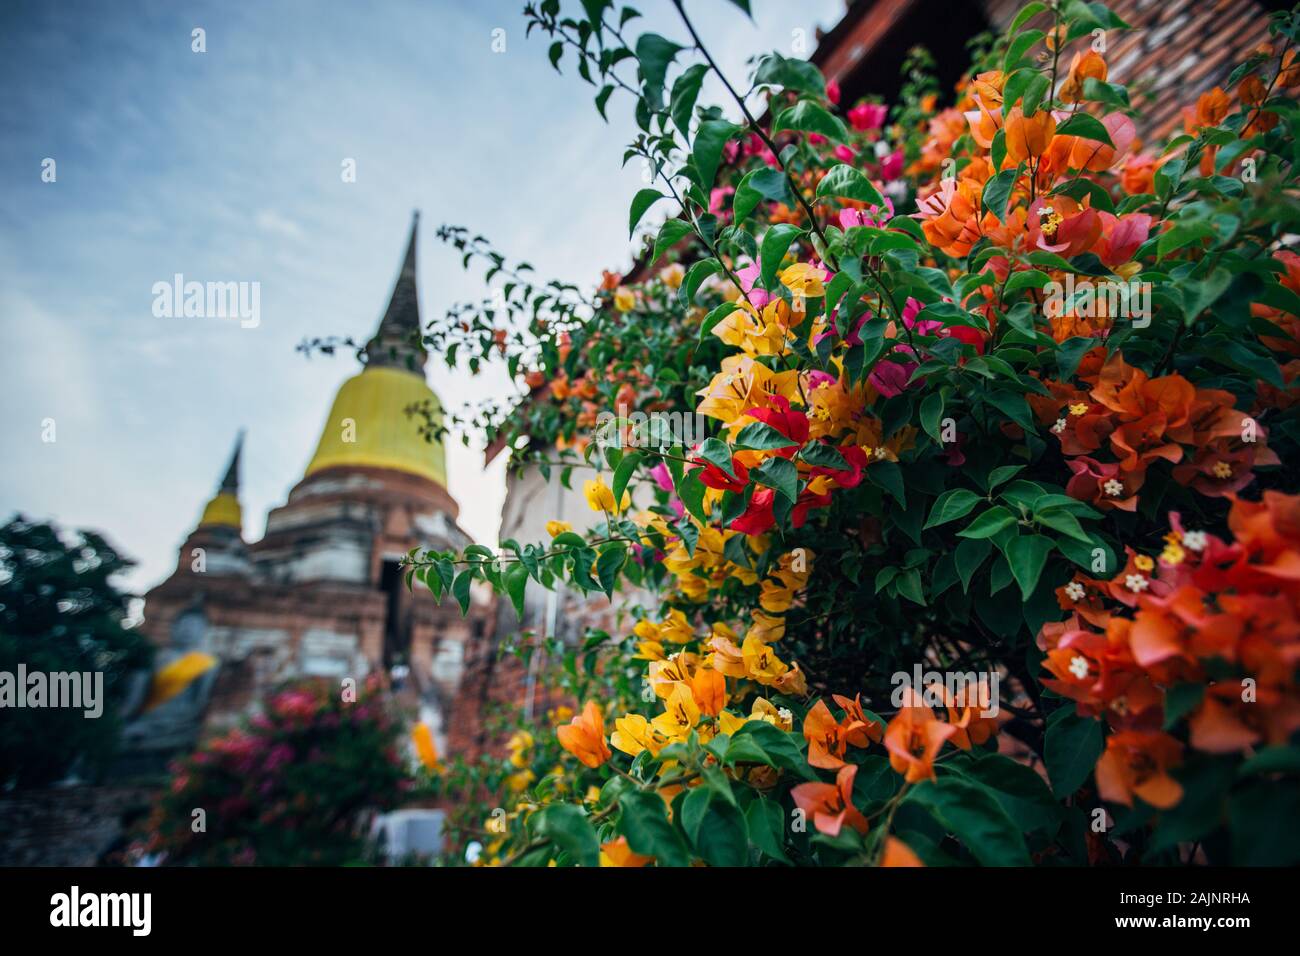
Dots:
{"x": 826, "y": 742}
{"x": 1137, "y": 763}
{"x": 898, "y": 853}
{"x": 914, "y": 738}
{"x": 1085, "y": 66}
{"x": 584, "y": 736}
{"x": 618, "y": 853}
{"x": 710, "y": 690}
{"x": 1028, "y": 137}
{"x": 830, "y": 805}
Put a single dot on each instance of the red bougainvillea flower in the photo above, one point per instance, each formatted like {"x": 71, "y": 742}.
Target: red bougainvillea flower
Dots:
{"x": 714, "y": 477}
{"x": 584, "y": 736}
{"x": 793, "y": 424}
{"x": 758, "y": 516}
{"x": 1137, "y": 763}
{"x": 1102, "y": 485}
{"x": 914, "y": 738}
{"x": 831, "y": 805}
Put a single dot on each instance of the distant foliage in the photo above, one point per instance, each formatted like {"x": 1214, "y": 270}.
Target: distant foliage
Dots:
{"x": 60, "y": 611}
{"x": 298, "y": 785}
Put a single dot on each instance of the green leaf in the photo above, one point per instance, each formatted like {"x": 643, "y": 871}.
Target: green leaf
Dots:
{"x": 644, "y": 822}
{"x": 609, "y": 564}
{"x": 808, "y": 116}
{"x": 760, "y": 742}
{"x": 1027, "y": 555}
{"x": 624, "y": 472}
{"x": 460, "y": 590}
{"x": 716, "y": 827}
{"x": 989, "y": 523}
{"x": 716, "y": 451}
{"x": 671, "y": 232}
{"x": 1085, "y": 126}
{"x": 565, "y": 825}
{"x": 715, "y": 316}
{"x": 760, "y": 436}
{"x": 952, "y": 505}
{"x": 710, "y": 139}
{"x": 780, "y": 474}
{"x": 1023, "y": 794}
{"x": 791, "y": 74}
{"x": 997, "y": 191}
{"x": 845, "y": 182}
{"x": 772, "y": 251}
{"x": 932, "y": 415}
{"x": 654, "y": 53}
{"x": 766, "y": 822}
{"x": 760, "y": 184}
{"x": 1071, "y": 748}
{"x": 686, "y": 89}
{"x": 643, "y": 200}
{"x": 971, "y": 813}
{"x": 970, "y": 554}
{"x": 695, "y": 277}
{"x": 516, "y": 582}
{"x": 822, "y": 455}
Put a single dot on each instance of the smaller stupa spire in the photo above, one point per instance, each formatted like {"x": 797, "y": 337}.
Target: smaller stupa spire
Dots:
{"x": 230, "y": 483}
{"x": 397, "y": 340}
{"x": 223, "y": 510}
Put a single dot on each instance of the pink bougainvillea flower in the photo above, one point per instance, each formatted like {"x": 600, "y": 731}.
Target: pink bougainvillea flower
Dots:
{"x": 663, "y": 478}
{"x": 868, "y": 116}
{"x": 749, "y": 276}
{"x": 1121, "y": 236}
{"x": 833, "y": 92}
{"x": 844, "y": 154}
{"x": 891, "y": 167}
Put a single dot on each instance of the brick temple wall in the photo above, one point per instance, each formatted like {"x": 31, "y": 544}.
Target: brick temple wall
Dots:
{"x": 1178, "y": 48}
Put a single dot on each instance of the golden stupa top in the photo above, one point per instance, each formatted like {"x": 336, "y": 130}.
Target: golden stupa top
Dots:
{"x": 380, "y": 416}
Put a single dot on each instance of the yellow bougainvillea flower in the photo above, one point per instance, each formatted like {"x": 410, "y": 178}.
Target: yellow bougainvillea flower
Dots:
{"x": 804, "y": 279}
{"x": 766, "y": 627}
{"x": 729, "y": 723}
{"x": 521, "y": 781}
{"x": 767, "y": 711}
{"x": 554, "y": 528}
{"x": 601, "y": 498}
{"x": 664, "y": 676}
{"x": 519, "y": 745}
{"x": 633, "y": 734}
{"x": 742, "y": 384}
{"x": 618, "y": 853}
{"x": 624, "y": 299}
{"x": 584, "y": 736}
{"x": 680, "y": 715}
{"x": 761, "y": 662}
{"x": 425, "y": 748}
{"x": 752, "y": 332}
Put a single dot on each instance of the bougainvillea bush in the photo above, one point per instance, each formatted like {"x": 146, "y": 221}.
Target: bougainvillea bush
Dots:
{"x": 298, "y": 785}
{"x": 990, "y": 551}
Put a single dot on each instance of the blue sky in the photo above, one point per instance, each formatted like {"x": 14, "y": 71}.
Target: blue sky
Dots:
{"x": 225, "y": 166}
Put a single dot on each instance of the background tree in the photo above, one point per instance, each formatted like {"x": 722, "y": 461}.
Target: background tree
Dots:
{"x": 60, "y": 611}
